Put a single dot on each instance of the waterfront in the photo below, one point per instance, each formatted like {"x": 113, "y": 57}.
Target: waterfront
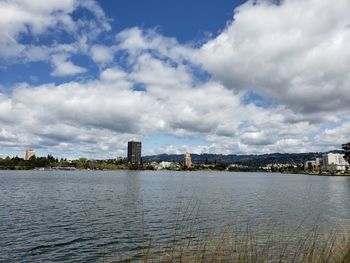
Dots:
{"x": 86, "y": 216}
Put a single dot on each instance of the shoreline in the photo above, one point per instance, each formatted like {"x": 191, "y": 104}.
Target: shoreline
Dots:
{"x": 69, "y": 169}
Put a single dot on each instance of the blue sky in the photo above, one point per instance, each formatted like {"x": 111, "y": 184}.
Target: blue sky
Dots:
{"x": 81, "y": 78}
{"x": 188, "y": 21}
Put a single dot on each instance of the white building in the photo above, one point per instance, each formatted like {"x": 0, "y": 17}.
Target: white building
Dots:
{"x": 28, "y": 153}
{"x": 165, "y": 165}
{"x": 334, "y": 161}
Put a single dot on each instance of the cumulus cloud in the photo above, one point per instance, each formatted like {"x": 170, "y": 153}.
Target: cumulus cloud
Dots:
{"x": 102, "y": 54}
{"x": 24, "y": 21}
{"x": 99, "y": 116}
{"x": 289, "y": 54}
{"x": 296, "y": 52}
{"x": 137, "y": 41}
{"x": 63, "y": 67}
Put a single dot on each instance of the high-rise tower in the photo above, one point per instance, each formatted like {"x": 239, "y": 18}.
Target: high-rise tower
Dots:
{"x": 134, "y": 152}
{"x": 187, "y": 160}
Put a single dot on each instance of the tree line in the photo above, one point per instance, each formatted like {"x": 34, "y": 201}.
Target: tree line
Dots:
{"x": 17, "y": 163}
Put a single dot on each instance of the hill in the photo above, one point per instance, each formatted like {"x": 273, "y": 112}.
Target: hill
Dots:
{"x": 249, "y": 160}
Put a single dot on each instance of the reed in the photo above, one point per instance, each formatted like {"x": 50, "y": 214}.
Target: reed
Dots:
{"x": 230, "y": 246}
{"x": 237, "y": 244}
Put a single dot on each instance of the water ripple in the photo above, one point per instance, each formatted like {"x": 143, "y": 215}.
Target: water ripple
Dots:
{"x": 88, "y": 216}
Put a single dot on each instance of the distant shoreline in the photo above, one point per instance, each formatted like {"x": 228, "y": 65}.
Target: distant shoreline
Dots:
{"x": 165, "y": 170}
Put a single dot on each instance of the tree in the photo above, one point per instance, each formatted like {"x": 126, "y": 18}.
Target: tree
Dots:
{"x": 346, "y": 148}
{"x": 50, "y": 158}
{"x": 81, "y": 163}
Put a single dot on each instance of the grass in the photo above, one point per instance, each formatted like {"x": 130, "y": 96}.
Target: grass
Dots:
{"x": 243, "y": 245}
{"x": 230, "y": 246}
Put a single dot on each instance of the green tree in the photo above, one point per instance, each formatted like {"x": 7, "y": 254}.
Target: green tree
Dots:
{"x": 346, "y": 148}
{"x": 82, "y": 163}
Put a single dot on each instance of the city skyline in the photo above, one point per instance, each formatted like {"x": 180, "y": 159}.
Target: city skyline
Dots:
{"x": 82, "y": 78}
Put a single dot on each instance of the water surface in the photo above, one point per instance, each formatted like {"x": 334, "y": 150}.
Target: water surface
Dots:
{"x": 86, "y": 216}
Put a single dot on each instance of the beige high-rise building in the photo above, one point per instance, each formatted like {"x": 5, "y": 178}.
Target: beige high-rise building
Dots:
{"x": 28, "y": 153}
{"x": 187, "y": 160}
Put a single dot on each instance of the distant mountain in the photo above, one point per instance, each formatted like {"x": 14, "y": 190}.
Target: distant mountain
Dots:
{"x": 249, "y": 160}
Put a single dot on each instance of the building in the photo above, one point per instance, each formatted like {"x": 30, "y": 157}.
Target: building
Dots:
{"x": 134, "y": 152}
{"x": 334, "y": 162}
{"x": 28, "y": 153}
{"x": 119, "y": 158}
{"x": 187, "y": 160}
{"x": 165, "y": 165}
{"x": 313, "y": 165}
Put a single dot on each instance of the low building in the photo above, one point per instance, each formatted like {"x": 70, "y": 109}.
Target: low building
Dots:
{"x": 119, "y": 158}
{"x": 313, "y": 165}
{"x": 334, "y": 162}
{"x": 165, "y": 165}
{"x": 28, "y": 153}
{"x": 234, "y": 165}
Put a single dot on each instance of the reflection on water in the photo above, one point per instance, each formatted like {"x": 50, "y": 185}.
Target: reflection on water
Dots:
{"x": 86, "y": 215}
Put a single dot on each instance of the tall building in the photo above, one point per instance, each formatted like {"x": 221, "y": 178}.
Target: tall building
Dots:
{"x": 28, "y": 153}
{"x": 134, "y": 152}
{"x": 187, "y": 160}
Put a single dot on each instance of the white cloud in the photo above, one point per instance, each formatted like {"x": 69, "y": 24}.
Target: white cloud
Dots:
{"x": 334, "y": 135}
{"x": 293, "y": 54}
{"x": 113, "y": 74}
{"x": 96, "y": 118}
{"x": 63, "y": 67}
{"x": 136, "y": 41}
{"x": 296, "y": 53}
{"x": 102, "y": 54}
{"x": 30, "y": 20}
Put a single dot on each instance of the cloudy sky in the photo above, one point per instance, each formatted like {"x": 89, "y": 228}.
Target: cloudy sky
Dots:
{"x": 82, "y": 77}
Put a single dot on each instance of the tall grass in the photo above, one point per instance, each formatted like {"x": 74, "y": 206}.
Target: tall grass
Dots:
{"x": 244, "y": 247}
{"x": 237, "y": 244}
{"x": 243, "y": 244}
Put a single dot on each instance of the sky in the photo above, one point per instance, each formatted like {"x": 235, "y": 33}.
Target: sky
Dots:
{"x": 83, "y": 77}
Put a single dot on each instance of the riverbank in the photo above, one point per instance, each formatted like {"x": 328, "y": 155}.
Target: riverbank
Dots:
{"x": 72, "y": 169}
{"x": 328, "y": 174}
